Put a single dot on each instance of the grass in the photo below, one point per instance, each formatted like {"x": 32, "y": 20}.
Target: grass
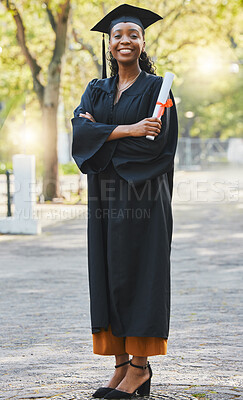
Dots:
{"x": 68, "y": 169}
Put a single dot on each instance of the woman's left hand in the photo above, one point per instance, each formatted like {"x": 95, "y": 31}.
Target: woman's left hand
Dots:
{"x": 88, "y": 116}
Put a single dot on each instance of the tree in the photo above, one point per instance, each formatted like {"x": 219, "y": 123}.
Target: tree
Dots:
{"x": 48, "y": 95}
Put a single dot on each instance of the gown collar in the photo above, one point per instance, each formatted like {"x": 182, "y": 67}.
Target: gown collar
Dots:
{"x": 108, "y": 85}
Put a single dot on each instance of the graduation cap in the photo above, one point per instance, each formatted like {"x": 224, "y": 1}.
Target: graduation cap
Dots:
{"x": 124, "y": 13}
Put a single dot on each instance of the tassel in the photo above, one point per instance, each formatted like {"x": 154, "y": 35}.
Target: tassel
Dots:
{"x": 103, "y": 59}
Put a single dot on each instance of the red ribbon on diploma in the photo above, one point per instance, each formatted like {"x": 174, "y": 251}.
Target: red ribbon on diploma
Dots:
{"x": 161, "y": 111}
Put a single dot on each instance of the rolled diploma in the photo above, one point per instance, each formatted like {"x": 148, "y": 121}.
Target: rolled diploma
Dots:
{"x": 163, "y": 95}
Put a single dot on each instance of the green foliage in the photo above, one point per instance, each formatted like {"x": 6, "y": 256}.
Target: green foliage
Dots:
{"x": 4, "y": 167}
{"x": 215, "y": 99}
{"x": 68, "y": 169}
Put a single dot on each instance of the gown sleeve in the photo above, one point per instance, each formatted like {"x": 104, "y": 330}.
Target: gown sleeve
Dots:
{"x": 89, "y": 138}
{"x": 138, "y": 158}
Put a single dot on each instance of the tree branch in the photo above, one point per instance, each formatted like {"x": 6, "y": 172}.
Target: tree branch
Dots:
{"x": 61, "y": 30}
{"x": 181, "y": 13}
{"x": 180, "y": 46}
{"x": 232, "y": 40}
{"x": 50, "y": 16}
{"x": 31, "y": 61}
{"x": 178, "y": 10}
{"x": 89, "y": 48}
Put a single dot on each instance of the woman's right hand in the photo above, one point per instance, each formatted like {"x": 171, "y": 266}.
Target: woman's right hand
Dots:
{"x": 88, "y": 116}
{"x": 147, "y": 126}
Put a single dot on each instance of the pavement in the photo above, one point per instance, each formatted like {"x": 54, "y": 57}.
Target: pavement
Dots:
{"x": 45, "y": 334}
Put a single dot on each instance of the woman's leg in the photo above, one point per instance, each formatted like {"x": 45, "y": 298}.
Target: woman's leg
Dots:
{"x": 127, "y": 378}
{"x": 105, "y": 343}
{"x": 120, "y": 372}
{"x": 134, "y": 376}
{"x": 140, "y": 348}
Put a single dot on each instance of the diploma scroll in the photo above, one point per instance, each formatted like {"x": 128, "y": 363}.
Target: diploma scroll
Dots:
{"x": 162, "y": 101}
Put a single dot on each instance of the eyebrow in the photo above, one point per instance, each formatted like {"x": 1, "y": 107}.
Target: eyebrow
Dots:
{"x": 131, "y": 29}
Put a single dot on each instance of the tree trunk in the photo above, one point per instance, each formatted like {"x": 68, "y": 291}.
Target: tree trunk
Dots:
{"x": 51, "y": 187}
{"x": 48, "y": 96}
{"x": 50, "y": 157}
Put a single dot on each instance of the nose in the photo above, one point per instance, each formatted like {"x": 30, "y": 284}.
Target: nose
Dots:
{"x": 125, "y": 39}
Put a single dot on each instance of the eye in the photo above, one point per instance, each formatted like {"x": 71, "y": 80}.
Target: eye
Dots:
{"x": 134, "y": 36}
{"x": 117, "y": 36}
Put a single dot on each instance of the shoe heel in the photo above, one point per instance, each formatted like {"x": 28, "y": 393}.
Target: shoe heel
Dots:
{"x": 144, "y": 389}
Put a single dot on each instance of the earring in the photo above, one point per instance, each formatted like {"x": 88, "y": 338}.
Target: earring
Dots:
{"x": 144, "y": 58}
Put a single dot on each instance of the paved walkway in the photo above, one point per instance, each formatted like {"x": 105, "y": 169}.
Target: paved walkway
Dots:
{"x": 46, "y": 343}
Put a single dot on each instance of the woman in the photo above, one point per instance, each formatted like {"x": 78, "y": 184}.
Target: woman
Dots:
{"x": 130, "y": 181}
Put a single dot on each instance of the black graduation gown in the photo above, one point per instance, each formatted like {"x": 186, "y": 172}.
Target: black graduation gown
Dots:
{"x": 130, "y": 182}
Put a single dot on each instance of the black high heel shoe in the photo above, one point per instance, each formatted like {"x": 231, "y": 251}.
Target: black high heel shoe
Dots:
{"x": 102, "y": 391}
{"x": 143, "y": 390}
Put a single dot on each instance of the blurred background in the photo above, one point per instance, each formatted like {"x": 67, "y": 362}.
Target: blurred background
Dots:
{"x": 48, "y": 55}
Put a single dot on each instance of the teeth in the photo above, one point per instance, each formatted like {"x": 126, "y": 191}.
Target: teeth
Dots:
{"x": 125, "y": 51}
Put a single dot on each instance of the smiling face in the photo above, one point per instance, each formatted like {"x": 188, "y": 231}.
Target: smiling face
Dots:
{"x": 126, "y": 42}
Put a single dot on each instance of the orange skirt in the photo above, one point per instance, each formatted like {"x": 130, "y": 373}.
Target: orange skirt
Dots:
{"x": 105, "y": 343}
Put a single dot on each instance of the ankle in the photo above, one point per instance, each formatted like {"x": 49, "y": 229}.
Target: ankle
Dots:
{"x": 120, "y": 372}
{"x": 121, "y": 358}
{"x": 139, "y": 361}
{"x": 139, "y": 367}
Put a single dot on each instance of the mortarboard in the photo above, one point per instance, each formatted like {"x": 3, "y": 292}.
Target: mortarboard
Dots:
{"x": 124, "y": 13}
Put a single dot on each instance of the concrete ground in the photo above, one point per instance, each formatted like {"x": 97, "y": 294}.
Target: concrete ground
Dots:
{"x": 45, "y": 334}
